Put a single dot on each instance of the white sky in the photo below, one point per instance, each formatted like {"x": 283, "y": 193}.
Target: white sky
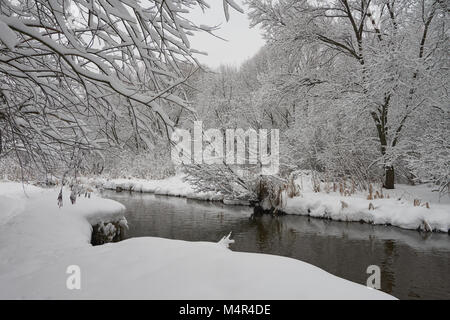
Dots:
{"x": 242, "y": 43}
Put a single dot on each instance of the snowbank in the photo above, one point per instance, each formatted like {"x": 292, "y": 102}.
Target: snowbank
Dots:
{"x": 20, "y": 198}
{"x": 172, "y": 186}
{"x": 386, "y": 211}
{"x": 397, "y": 210}
{"x": 32, "y": 224}
{"x": 39, "y": 241}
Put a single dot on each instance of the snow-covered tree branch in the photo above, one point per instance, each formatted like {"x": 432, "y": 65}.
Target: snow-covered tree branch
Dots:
{"x": 73, "y": 71}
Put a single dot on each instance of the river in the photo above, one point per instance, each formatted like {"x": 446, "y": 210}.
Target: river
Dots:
{"x": 413, "y": 265}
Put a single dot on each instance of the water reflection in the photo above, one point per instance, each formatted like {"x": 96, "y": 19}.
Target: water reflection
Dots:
{"x": 413, "y": 265}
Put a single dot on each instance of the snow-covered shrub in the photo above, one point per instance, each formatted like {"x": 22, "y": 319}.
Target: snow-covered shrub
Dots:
{"x": 272, "y": 193}
{"x": 10, "y": 169}
{"x": 228, "y": 180}
{"x": 105, "y": 232}
{"x": 268, "y": 193}
{"x": 428, "y": 160}
{"x": 26, "y": 170}
{"x": 155, "y": 164}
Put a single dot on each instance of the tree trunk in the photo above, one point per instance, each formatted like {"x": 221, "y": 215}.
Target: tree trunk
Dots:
{"x": 389, "y": 177}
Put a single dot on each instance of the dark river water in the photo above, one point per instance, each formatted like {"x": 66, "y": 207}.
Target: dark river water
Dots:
{"x": 413, "y": 265}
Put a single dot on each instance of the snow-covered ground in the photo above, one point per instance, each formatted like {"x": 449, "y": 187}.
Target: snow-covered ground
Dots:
{"x": 172, "y": 186}
{"x": 39, "y": 241}
{"x": 395, "y": 208}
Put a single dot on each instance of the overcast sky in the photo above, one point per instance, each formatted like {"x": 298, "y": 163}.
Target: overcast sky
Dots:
{"x": 242, "y": 43}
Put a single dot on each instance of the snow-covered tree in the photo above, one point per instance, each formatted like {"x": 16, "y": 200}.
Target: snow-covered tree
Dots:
{"x": 73, "y": 72}
{"x": 382, "y": 63}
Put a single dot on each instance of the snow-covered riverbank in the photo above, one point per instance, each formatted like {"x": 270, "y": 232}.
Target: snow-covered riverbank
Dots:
{"x": 39, "y": 240}
{"x": 172, "y": 186}
{"x": 397, "y": 210}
